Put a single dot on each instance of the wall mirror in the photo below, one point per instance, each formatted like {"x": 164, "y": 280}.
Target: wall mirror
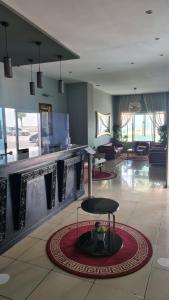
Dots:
{"x": 103, "y": 123}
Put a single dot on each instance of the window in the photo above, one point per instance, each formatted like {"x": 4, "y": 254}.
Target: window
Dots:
{"x": 28, "y": 132}
{"x": 143, "y": 127}
{"x": 11, "y": 139}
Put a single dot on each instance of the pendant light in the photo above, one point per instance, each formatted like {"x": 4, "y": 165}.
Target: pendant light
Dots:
{"x": 135, "y": 105}
{"x": 60, "y": 81}
{"x": 39, "y": 73}
{"x": 31, "y": 83}
{"x": 7, "y": 60}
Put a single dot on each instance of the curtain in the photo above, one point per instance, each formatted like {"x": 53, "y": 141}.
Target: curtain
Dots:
{"x": 125, "y": 119}
{"x": 156, "y": 103}
{"x": 126, "y": 116}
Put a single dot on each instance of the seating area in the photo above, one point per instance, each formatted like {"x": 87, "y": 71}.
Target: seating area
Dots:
{"x": 111, "y": 150}
{"x": 155, "y": 151}
{"x": 157, "y": 154}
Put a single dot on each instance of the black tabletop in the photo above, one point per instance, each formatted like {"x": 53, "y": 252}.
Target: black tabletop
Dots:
{"x": 99, "y": 205}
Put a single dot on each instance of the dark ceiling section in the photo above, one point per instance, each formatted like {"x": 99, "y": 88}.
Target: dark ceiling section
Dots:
{"x": 21, "y": 38}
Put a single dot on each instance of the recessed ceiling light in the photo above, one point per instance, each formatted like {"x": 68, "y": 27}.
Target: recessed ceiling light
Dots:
{"x": 97, "y": 84}
{"x": 157, "y": 38}
{"x": 149, "y": 11}
{"x": 99, "y": 68}
{"x": 70, "y": 72}
{"x": 132, "y": 63}
{"x": 161, "y": 54}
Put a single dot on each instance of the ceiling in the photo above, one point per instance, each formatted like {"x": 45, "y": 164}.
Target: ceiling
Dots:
{"x": 110, "y": 35}
{"x": 23, "y": 38}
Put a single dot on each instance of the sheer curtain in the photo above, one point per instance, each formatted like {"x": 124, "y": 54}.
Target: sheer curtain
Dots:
{"x": 125, "y": 119}
{"x": 156, "y": 103}
{"x": 124, "y": 110}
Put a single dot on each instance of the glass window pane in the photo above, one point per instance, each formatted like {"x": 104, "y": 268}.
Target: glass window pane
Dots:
{"x": 149, "y": 127}
{"x": 28, "y": 132}
{"x": 139, "y": 128}
{"x": 10, "y": 123}
{"x": 127, "y": 130}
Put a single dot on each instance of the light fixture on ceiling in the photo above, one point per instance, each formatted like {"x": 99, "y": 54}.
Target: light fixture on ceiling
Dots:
{"x": 99, "y": 68}
{"x": 60, "y": 81}
{"x": 161, "y": 54}
{"x": 149, "y": 11}
{"x": 7, "y": 60}
{"x": 39, "y": 73}
{"x": 97, "y": 84}
{"x": 31, "y": 83}
{"x": 135, "y": 105}
{"x": 157, "y": 38}
{"x": 132, "y": 63}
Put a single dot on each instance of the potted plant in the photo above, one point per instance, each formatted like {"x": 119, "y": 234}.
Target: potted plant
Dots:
{"x": 100, "y": 231}
{"x": 163, "y": 134}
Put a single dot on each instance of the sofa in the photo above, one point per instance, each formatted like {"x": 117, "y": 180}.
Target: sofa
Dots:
{"x": 111, "y": 150}
{"x": 157, "y": 155}
{"x": 141, "y": 147}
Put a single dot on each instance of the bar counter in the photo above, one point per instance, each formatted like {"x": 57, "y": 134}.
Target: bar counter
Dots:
{"x": 33, "y": 190}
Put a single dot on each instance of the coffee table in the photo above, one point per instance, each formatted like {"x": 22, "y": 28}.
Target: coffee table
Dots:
{"x": 88, "y": 242}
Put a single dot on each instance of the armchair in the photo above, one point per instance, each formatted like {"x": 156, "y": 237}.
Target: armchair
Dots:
{"x": 141, "y": 147}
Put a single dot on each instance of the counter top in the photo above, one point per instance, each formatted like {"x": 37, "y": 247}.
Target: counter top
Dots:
{"x": 9, "y": 167}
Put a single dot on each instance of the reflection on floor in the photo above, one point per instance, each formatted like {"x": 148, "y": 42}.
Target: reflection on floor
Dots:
{"x": 144, "y": 204}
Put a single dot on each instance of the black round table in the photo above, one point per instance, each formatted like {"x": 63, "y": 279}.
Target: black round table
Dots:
{"x": 88, "y": 241}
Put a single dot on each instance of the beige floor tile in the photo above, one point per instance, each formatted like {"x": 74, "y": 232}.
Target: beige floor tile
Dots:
{"x": 4, "y": 262}
{"x": 23, "y": 279}
{"x": 4, "y": 298}
{"x": 158, "y": 285}
{"x": 61, "y": 287}
{"x": 20, "y": 248}
{"x": 37, "y": 256}
{"x": 44, "y": 231}
{"x": 59, "y": 270}
{"x": 161, "y": 251}
{"x": 99, "y": 292}
{"x": 134, "y": 283}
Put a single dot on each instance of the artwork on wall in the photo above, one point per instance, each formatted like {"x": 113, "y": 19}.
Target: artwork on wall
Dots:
{"x": 103, "y": 122}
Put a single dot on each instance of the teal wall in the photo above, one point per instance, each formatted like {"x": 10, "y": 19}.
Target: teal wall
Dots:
{"x": 77, "y": 109}
{"x": 80, "y": 100}
{"x": 83, "y": 103}
{"x": 98, "y": 101}
{"x": 14, "y": 92}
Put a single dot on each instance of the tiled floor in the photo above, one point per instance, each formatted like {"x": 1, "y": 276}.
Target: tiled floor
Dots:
{"x": 144, "y": 204}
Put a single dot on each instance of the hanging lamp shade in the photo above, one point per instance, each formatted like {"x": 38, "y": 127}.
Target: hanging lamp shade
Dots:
{"x": 39, "y": 74}
{"x": 7, "y": 60}
{"x": 60, "y": 81}
{"x": 60, "y": 86}
{"x": 31, "y": 83}
{"x": 135, "y": 105}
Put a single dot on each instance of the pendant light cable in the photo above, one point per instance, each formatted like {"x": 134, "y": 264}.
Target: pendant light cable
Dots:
{"x": 6, "y": 40}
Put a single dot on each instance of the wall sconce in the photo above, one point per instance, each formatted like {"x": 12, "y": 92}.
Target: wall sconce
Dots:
{"x": 39, "y": 73}
{"x": 7, "y": 60}
{"x": 60, "y": 81}
{"x": 31, "y": 83}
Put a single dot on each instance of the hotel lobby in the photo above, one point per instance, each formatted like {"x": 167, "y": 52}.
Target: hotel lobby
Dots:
{"x": 84, "y": 117}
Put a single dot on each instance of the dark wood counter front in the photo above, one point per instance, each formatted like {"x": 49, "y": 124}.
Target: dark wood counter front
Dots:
{"x": 33, "y": 190}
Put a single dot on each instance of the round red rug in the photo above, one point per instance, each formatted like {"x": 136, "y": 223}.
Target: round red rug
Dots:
{"x": 103, "y": 175}
{"x": 97, "y": 175}
{"x": 135, "y": 252}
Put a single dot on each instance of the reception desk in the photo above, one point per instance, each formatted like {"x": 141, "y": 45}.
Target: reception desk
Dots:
{"x": 33, "y": 190}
